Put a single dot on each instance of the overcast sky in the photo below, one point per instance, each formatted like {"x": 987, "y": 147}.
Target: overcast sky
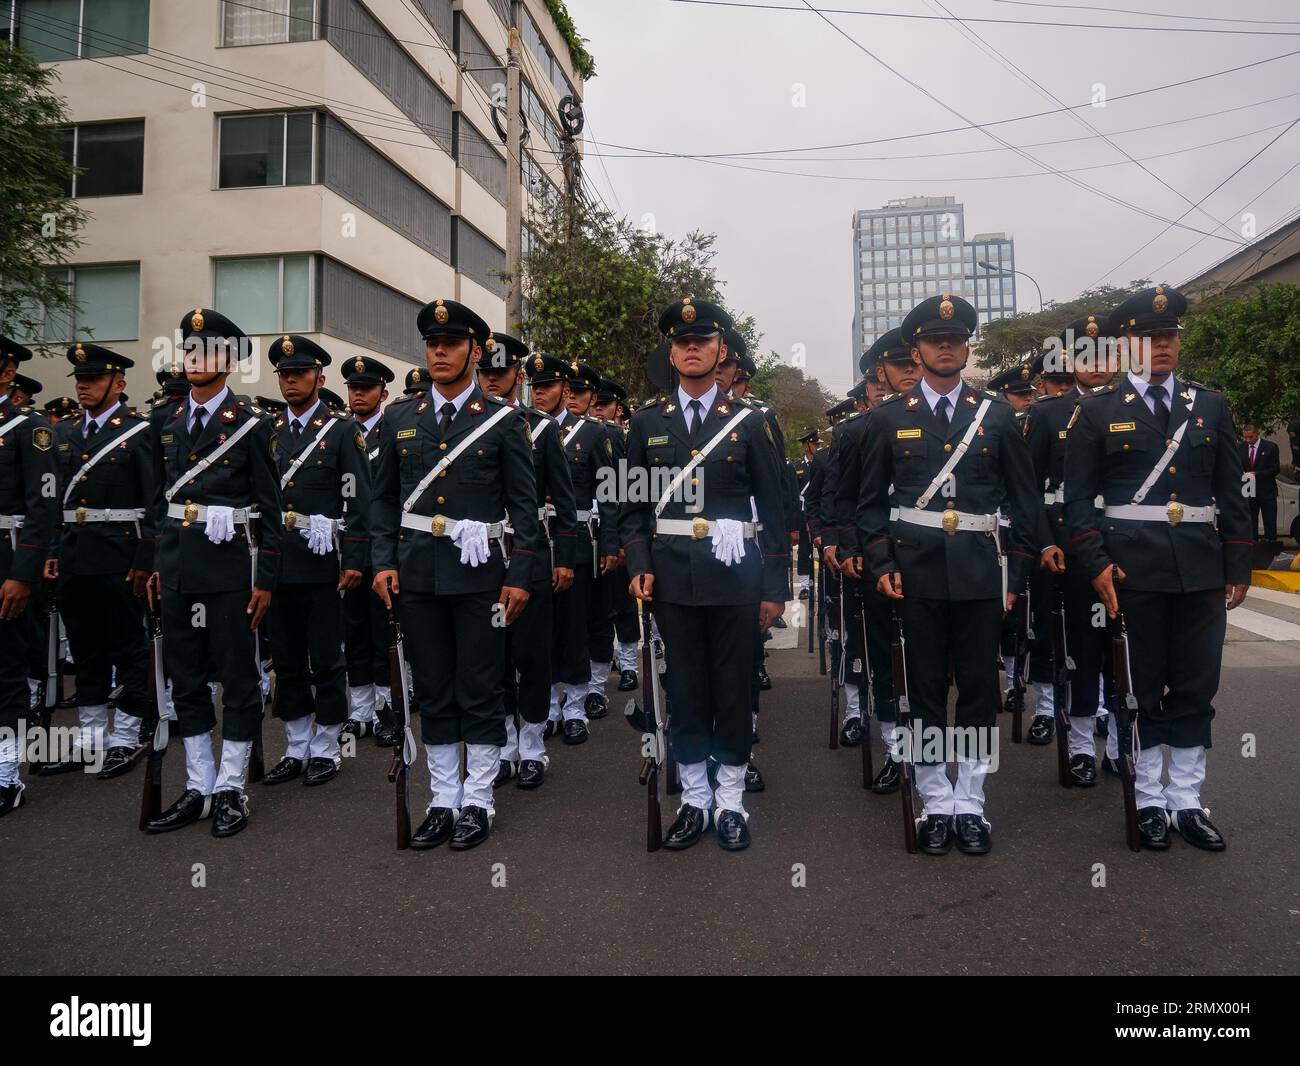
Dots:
{"x": 689, "y": 78}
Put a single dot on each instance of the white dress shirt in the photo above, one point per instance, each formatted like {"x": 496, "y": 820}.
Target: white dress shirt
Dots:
{"x": 210, "y": 408}
{"x": 932, "y": 397}
{"x": 98, "y": 421}
{"x": 706, "y": 403}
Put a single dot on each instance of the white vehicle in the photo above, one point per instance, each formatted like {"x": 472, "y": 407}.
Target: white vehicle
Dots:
{"x": 1288, "y": 507}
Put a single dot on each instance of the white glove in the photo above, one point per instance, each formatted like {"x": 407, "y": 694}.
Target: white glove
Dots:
{"x": 220, "y": 524}
{"x": 728, "y": 541}
{"x": 319, "y": 533}
{"x": 472, "y": 540}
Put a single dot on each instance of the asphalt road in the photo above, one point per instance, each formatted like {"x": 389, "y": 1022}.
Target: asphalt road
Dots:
{"x": 316, "y": 886}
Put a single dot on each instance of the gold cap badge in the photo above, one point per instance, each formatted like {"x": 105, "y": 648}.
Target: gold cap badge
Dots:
{"x": 80, "y": 354}
{"x": 440, "y": 314}
{"x": 688, "y": 312}
{"x": 1161, "y": 301}
{"x": 491, "y": 343}
{"x": 946, "y": 308}
{"x": 415, "y": 376}
{"x": 538, "y": 362}
{"x": 1092, "y": 329}
{"x": 286, "y": 346}
{"x": 359, "y": 365}
{"x": 196, "y": 320}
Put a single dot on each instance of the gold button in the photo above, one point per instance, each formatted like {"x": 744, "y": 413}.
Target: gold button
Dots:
{"x": 729, "y": 458}
{"x": 442, "y": 473}
{"x": 948, "y": 448}
{"x": 1060, "y": 521}
{"x": 442, "y": 499}
{"x": 694, "y": 481}
{"x": 1173, "y": 469}
{"x": 86, "y": 455}
{"x": 1126, "y": 447}
{"x": 190, "y": 482}
{"x": 907, "y": 451}
{"x": 1173, "y": 495}
{"x": 225, "y": 462}
{"x": 290, "y": 485}
{"x": 899, "y": 540}
{"x": 441, "y": 448}
{"x": 1207, "y": 440}
{"x": 951, "y": 503}
{"x": 193, "y": 457}
{"x": 480, "y": 451}
{"x": 984, "y": 451}
{"x": 1112, "y": 529}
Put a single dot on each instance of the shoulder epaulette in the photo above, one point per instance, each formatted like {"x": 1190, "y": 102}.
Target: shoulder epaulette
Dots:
{"x": 891, "y": 398}
{"x": 495, "y": 399}
{"x": 855, "y": 414}
{"x": 1198, "y": 385}
{"x": 652, "y": 403}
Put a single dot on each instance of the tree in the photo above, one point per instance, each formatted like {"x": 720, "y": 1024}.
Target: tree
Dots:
{"x": 39, "y": 221}
{"x": 800, "y": 401}
{"x": 1248, "y": 348}
{"x": 1008, "y": 340}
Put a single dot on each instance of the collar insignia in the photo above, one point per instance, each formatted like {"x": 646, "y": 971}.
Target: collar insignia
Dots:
{"x": 1186, "y": 394}
{"x": 912, "y": 401}
{"x": 228, "y": 415}
{"x": 318, "y": 422}
{"x": 970, "y": 399}
{"x": 115, "y": 421}
{"x": 1129, "y": 397}
{"x": 476, "y": 408}
{"x": 420, "y": 409}
{"x": 1200, "y": 423}
{"x": 723, "y": 409}
{"x": 670, "y": 408}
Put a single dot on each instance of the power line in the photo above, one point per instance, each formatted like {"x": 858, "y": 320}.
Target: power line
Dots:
{"x": 1156, "y": 14}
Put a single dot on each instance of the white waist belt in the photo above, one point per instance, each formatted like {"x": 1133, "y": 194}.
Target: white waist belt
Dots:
{"x": 442, "y": 526}
{"x": 291, "y": 520}
{"x": 12, "y": 521}
{"x": 696, "y": 528}
{"x": 82, "y": 515}
{"x": 949, "y": 521}
{"x": 1172, "y": 513}
{"x": 197, "y": 512}
{"x": 584, "y": 516}
{"x": 1059, "y": 497}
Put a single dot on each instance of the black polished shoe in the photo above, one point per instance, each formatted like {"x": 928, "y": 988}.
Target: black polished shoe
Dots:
{"x": 1083, "y": 770}
{"x": 192, "y": 807}
{"x": 1195, "y": 827}
{"x": 733, "y": 831}
{"x": 532, "y": 774}
{"x": 972, "y": 833}
{"x": 1101, "y": 725}
{"x": 385, "y": 736}
{"x": 851, "y": 733}
{"x": 229, "y": 812}
{"x": 753, "y": 779}
{"x": 551, "y": 728}
{"x": 687, "y": 830}
{"x": 472, "y": 828}
{"x": 779, "y": 623}
{"x": 627, "y": 680}
{"x": 435, "y": 829}
{"x": 575, "y": 731}
{"x": 505, "y": 771}
{"x": 63, "y": 766}
{"x": 319, "y": 771}
{"x": 353, "y": 728}
{"x": 804, "y": 593}
{"x": 285, "y": 770}
{"x": 595, "y": 705}
{"x": 11, "y": 797}
{"x": 117, "y": 761}
{"x": 1041, "y": 730}
{"x": 934, "y": 836}
{"x": 1153, "y": 828}
{"x": 1110, "y": 766}
{"x": 764, "y": 682}
{"x": 888, "y": 779}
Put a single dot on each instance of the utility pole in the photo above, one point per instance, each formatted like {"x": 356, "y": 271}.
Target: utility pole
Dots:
{"x": 514, "y": 176}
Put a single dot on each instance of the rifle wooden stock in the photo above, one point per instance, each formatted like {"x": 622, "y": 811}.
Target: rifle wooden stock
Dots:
{"x": 1016, "y": 699}
{"x": 898, "y": 660}
{"x": 867, "y": 770}
{"x": 820, "y": 620}
{"x": 1125, "y": 712}
{"x": 654, "y": 833}
{"x": 151, "y": 796}
{"x": 399, "y": 771}
{"x": 1061, "y": 685}
{"x": 810, "y": 613}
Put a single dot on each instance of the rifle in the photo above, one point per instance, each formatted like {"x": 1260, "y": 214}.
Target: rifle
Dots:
{"x": 1062, "y": 665}
{"x": 49, "y": 690}
{"x": 1126, "y": 706}
{"x": 812, "y": 591}
{"x": 867, "y": 771}
{"x": 151, "y": 798}
{"x": 403, "y": 753}
{"x": 837, "y": 674}
{"x": 820, "y": 621}
{"x": 654, "y": 746}
{"x": 898, "y": 658}
{"x": 1016, "y": 679}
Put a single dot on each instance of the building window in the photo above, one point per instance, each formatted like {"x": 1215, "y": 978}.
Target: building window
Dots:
{"x": 268, "y": 294}
{"x": 52, "y": 30}
{"x": 272, "y": 149}
{"x": 480, "y": 62}
{"x": 110, "y": 156}
{"x": 479, "y": 259}
{"x": 106, "y": 306}
{"x": 440, "y": 16}
{"x": 480, "y": 160}
{"x": 362, "y": 311}
{"x": 267, "y": 21}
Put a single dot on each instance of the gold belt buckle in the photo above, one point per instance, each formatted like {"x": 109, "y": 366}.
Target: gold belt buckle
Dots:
{"x": 191, "y": 514}
{"x": 1175, "y": 512}
{"x": 81, "y": 516}
{"x": 699, "y": 528}
{"x": 439, "y": 526}
{"x": 290, "y": 520}
{"x": 951, "y": 520}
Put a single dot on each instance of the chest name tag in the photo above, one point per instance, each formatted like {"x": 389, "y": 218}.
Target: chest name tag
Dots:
{"x": 653, "y": 441}
{"x": 167, "y": 438}
{"x": 1123, "y": 427}
{"x": 907, "y": 434}
{"x": 405, "y": 434}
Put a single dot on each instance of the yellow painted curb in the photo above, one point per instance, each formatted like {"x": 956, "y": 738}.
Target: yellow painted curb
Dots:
{"x": 1278, "y": 580}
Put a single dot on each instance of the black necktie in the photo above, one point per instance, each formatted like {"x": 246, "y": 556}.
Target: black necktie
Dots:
{"x": 697, "y": 412}
{"x": 199, "y": 412}
{"x": 295, "y": 429}
{"x": 941, "y": 411}
{"x": 1161, "y": 406}
{"x": 91, "y": 430}
{"x": 447, "y": 413}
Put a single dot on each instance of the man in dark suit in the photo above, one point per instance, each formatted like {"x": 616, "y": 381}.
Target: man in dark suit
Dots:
{"x": 1261, "y": 461}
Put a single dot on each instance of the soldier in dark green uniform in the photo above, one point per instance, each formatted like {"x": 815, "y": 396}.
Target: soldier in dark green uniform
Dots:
{"x": 365, "y": 623}
{"x": 529, "y": 640}
{"x": 452, "y": 462}
{"x": 609, "y": 400}
{"x": 324, "y": 479}
{"x": 217, "y": 507}
{"x": 28, "y": 517}
{"x": 802, "y": 472}
{"x": 954, "y": 456}
{"x": 22, "y": 390}
{"x": 1171, "y": 549}
{"x": 59, "y": 408}
{"x": 106, "y": 496}
{"x": 713, "y": 576}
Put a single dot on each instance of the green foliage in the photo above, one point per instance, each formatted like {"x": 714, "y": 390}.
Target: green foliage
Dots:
{"x": 1008, "y": 340}
{"x": 1248, "y": 348}
{"x": 800, "y": 401}
{"x": 583, "y": 62}
{"x": 39, "y": 224}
